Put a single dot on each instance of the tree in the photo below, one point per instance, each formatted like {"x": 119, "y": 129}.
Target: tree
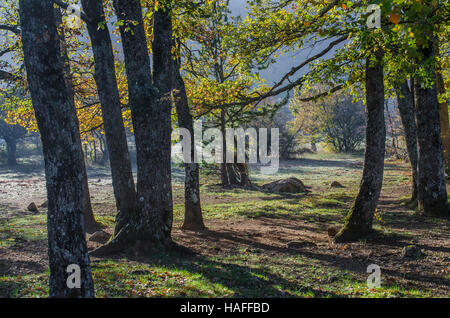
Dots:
{"x": 432, "y": 192}
{"x": 150, "y": 103}
{"x": 336, "y": 119}
{"x": 89, "y": 219}
{"x": 358, "y": 222}
{"x": 216, "y": 79}
{"x": 105, "y": 77}
{"x": 405, "y": 102}
{"x": 193, "y": 218}
{"x": 61, "y": 144}
{"x": 11, "y": 133}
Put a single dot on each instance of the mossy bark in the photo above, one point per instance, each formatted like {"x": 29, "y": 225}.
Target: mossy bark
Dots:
{"x": 150, "y": 104}
{"x": 61, "y": 144}
{"x": 358, "y": 222}
{"x": 432, "y": 192}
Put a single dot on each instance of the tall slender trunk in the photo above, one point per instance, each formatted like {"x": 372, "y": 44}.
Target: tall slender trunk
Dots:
{"x": 405, "y": 101}
{"x": 11, "y": 149}
{"x": 223, "y": 165}
{"x": 90, "y": 222}
{"x": 105, "y": 78}
{"x": 58, "y": 126}
{"x": 444, "y": 120}
{"x": 432, "y": 192}
{"x": 360, "y": 217}
{"x": 193, "y": 218}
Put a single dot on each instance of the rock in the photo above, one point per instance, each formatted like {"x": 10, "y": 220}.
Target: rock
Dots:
{"x": 291, "y": 185}
{"x": 411, "y": 251}
{"x": 44, "y": 205}
{"x": 332, "y": 231}
{"x": 298, "y": 244}
{"x": 100, "y": 237}
{"x": 336, "y": 184}
{"x": 32, "y": 207}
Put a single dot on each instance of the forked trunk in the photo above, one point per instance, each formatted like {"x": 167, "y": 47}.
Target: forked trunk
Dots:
{"x": 150, "y": 105}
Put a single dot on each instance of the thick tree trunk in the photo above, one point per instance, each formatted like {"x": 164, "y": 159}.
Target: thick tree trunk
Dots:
{"x": 432, "y": 192}
{"x": 105, "y": 78}
{"x": 90, "y": 222}
{"x": 360, "y": 218}
{"x": 58, "y": 125}
{"x": 11, "y": 149}
{"x": 193, "y": 218}
{"x": 150, "y": 110}
{"x": 405, "y": 101}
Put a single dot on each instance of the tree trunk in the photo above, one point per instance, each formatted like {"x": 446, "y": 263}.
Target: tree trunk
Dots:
{"x": 444, "y": 120}
{"x": 193, "y": 218}
{"x": 58, "y": 125}
{"x": 105, "y": 78}
{"x": 11, "y": 149}
{"x": 90, "y": 222}
{"x": 360, "y": 218}
{"x": 223, "y": 165}
{"x": 150, "y": 110}
{"x": 405, "y": 101}
{"x": 244, "y": 177}
{"x": 432, "y": 192}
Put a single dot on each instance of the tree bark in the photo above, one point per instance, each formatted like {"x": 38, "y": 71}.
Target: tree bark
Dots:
{"x": 150, "y": 110}
{"x": 444, "y": 120}
{"x": 116, "y": 139}
{"x": 193, "y": 218}
{"x": 58, "y": 125}
{"x": 90, "y": 222}
{"x": 432, "y": 192}
{"x": 359, "y": 220}
{"x": 405, "y": 101}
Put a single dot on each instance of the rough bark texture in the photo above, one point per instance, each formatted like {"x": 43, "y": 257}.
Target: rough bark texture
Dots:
{"x": 105, "y": 78}
{"x": 193, "y": 218}
{"x": 89, "y": 219}
{"x": 432, "y": 192}
{"x": 360, "y": 217}
{"x": 405, "y": 101}
{"x": 150, "y": 106}
{"x": 58, "y": 125}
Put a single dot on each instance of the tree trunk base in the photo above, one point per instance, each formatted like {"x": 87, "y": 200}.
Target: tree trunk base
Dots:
{"x": 443, "y": 210}
{"x": 350, "y": 234}
{"x": 137, "y": 241}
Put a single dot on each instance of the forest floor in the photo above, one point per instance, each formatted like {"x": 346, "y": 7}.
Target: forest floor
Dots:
{"x": 244, "y": 252}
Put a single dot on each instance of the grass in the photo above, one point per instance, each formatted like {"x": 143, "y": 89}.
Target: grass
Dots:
{"x": 249, "y": 272}
{"x": 241, "y": 275}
